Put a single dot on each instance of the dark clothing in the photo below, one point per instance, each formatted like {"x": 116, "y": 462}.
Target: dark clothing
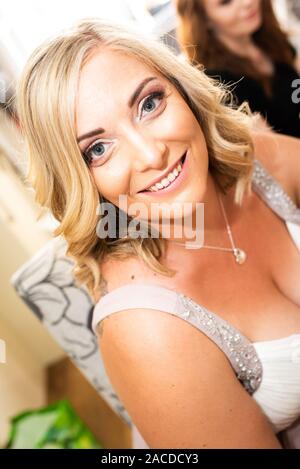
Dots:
{"x": 279, "y": 110}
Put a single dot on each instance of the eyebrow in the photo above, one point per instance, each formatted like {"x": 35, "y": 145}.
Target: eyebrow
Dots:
{"x": 130, "y": 104}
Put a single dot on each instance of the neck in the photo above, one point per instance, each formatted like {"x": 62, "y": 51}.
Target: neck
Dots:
{"x": 239, "y": 46}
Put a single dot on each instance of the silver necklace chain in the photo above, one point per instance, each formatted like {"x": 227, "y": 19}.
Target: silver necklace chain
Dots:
{"x": 239, "y": 254}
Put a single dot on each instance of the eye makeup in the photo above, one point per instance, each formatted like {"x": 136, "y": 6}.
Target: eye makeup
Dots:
{"x": 158, "y": 93}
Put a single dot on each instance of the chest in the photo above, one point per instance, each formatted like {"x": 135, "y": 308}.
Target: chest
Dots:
{"x": 260, "y": 297}
{"x": 262, "y": 63}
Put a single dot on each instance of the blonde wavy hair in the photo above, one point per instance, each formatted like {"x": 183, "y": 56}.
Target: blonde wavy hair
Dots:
{"x": 45, "y": 99}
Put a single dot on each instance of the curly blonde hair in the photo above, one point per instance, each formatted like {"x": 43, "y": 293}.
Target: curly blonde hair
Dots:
{"x": 46, "y": 97}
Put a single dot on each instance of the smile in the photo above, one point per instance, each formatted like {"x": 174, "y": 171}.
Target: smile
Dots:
{"x": 170, "y": 180}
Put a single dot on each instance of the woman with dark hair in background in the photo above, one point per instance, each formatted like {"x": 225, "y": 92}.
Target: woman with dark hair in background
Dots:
{"x": 241, "y": 42}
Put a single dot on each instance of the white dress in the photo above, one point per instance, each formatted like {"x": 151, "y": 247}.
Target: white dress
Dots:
{"x": 269, "y": 370}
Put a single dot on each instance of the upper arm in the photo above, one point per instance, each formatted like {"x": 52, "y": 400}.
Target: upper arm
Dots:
{"x": 280, "y": 155}
{"x": 178, "y": 387}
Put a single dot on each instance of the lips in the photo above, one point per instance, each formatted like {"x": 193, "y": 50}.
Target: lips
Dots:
{"x": 251, "y": 15}
{"x": 169, "y": 170}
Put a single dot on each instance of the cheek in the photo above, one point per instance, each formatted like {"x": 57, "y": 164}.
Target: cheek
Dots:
{"x": 111, "y": 180}
{"x": 229, "y": 22}
{"x": 179, "y": 123}
{"x": 226, "y": 20}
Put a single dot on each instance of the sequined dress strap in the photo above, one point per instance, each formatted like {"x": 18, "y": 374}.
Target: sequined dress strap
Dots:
{"x": 273, "y": 194}
{"x": 238, "y": 349}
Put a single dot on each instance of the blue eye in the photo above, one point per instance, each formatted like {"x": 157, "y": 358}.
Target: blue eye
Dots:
{"x": 95, "y": 152}
{"x": 97, "y": 149}
{"x": 148, "y": 102}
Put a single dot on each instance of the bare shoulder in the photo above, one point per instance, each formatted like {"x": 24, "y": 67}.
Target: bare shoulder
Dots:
{"x": 117, "y": 272}
{"x": 280, "y": 155}
{"x": 162, "y": 366}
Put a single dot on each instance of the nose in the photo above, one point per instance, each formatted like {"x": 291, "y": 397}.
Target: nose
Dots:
{"x": 146, "y": 151}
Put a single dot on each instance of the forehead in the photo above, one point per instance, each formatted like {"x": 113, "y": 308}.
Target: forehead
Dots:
{"x": 106, "y": 81}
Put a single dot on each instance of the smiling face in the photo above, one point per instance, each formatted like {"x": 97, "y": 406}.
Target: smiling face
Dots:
{"x": 234, "y": 18}
{"x": 133, "y": 128}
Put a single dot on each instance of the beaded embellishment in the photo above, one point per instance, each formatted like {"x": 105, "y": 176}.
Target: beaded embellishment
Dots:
{"x": 239, "y": 350}
{"x": 273, "y": 194}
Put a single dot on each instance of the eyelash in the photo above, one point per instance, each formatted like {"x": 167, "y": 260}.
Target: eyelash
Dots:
{"x": 154, "y": 95}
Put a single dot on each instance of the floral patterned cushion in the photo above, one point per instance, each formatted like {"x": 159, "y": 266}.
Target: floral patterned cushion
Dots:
{"x": 45, "y": 283}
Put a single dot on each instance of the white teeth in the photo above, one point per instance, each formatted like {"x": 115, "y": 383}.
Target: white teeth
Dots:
{"x": 167, "y": 180}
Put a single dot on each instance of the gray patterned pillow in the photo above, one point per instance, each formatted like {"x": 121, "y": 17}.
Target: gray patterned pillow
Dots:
{"x": 45, "y": 283}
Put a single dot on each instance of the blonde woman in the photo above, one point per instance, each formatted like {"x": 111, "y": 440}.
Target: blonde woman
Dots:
{"x": 201, "y": 341}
